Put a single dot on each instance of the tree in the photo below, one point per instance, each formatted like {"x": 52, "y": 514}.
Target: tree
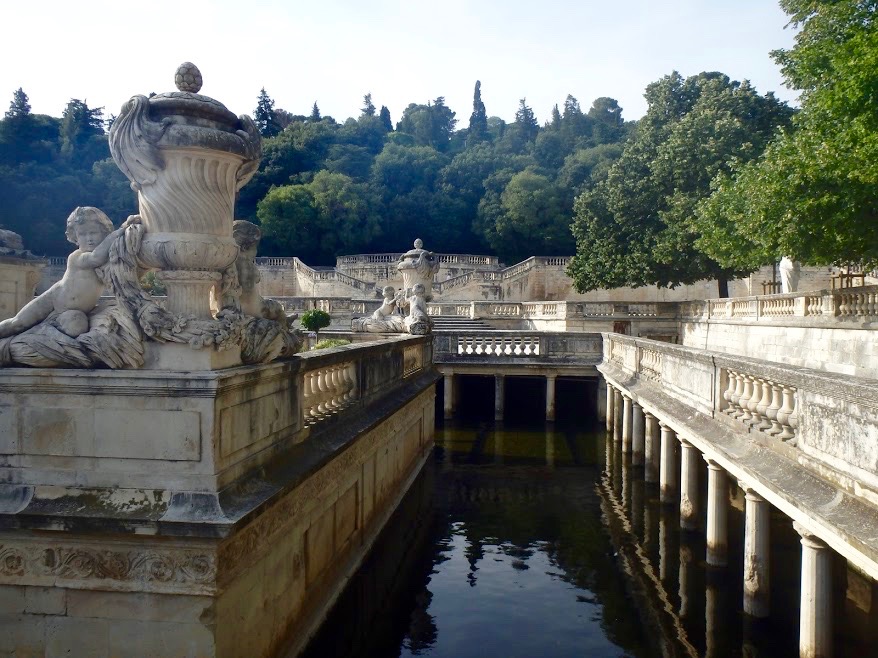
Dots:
{"x": 526, "y": 121}
{"x": 607, "y": 124}
{"x": 384, "y": 116}
{"x": 634, "y": 227}
{"x": 290, "y": 222}
{"x": 430, "y": 125}
{"x": 368, "y": 107}
{"x": 264, "y": 115}
{"x": 811, "y": 195}
{"x": 527, "y": 218}
{"x": 20, "y": 105}
{"x": 82, "y": 133}
{"x": 314, "y": 320}
{"x": 478, "y": 120}
{"x": 315, "y": 113}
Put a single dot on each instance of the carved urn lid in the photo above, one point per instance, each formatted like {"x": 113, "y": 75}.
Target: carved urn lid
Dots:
{"x": 186, "y": 105}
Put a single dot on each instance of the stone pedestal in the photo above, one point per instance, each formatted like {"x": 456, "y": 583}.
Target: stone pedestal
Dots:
{"x": 815, "y": 621}
{"x": 550, "y": 398}
{"x": 626, "y": 424}
{"x": 756, "y": 554}
{"x": 668, "y": 466}
{"x": 499, "y": 396}
{"x": 651, "y": 455}
{"x": 688, "y": 485}
{"x": 448, "y": 397}
{"x": 638, "y": 437}
{"x": 617, "y": 415}
{"x": 717, "y": 514}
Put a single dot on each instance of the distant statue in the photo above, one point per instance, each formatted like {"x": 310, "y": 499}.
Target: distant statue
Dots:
{"x": 67, "y": 303}
{"x": 789, "y": 274}
{"x": 418, "y": 321}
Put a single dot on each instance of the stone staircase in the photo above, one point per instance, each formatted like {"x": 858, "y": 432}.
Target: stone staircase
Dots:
{"x": 456, "y": 323}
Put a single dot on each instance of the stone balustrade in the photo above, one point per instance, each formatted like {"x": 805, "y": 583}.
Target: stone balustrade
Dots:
{"x": 830, "y": 421}
{"x": 517, "y": 347}
{"x": 815, "y": 308}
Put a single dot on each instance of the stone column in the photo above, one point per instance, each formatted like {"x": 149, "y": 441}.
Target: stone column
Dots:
{"x": 717, "y": 514}
{"x": 617, "y": 415}
{"x": 651, "y": 448}
{"x": 448, "y": 401}
{"x": 688, "y": 485}
{"x": 815, "y": 621}
{"x": 638, "y": 438}
{"x": 550, "y": 398}
{"x": 601, "y": 401}
{"x": 499, "y": 395}
{"x": 686, "y": 559}
{"x": 756, "y": 554}
{"x": 668, "y": 466}
{"x": 626, "y": 424}
{"x": 610, "y": 406}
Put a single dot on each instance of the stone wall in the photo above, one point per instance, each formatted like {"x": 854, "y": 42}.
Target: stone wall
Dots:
{"x": 221, "y": 518}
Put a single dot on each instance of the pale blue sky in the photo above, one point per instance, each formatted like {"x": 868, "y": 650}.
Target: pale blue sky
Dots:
{"x": 334, "y": 51}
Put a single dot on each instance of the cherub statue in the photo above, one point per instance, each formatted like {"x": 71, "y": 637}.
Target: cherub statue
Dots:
{"x": 67, "y": 303}
{"x": 389, "y": 306}
{"x": 418, "y": 320}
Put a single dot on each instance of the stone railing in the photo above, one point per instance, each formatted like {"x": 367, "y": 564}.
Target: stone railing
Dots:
{"x": 266, "y": 261}
{"x": 57, "y": 261}
{"x": 334, "y": 379}
{"x": 831, "y": 420}
{"x": 556, "y": 310}
{"x": 332, "y": 275}
{"x": 821, "y": 307}
{"x": 575, "y": 349}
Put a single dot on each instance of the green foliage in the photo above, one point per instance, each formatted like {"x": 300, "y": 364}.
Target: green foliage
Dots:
{"x": 264, "y": 115}
{"x": 20, "y": 105}
{"x": 315, "y": 320}
{"x": 326, "y": 343}
{"x": 430, "y": 125}
{"x": 811, "y": 195}
{"x": 478, "y": 120}
{"x": 83, "y": 141}
{"x": 634, "y": 226}
{"x": 368, "y": 109}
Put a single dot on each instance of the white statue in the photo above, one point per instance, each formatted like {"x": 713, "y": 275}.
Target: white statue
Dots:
{"x": 789, "y": 274}
{"x": 69, "y": 301}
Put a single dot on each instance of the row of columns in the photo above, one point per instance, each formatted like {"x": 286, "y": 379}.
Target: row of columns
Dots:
{"x": 499, "y": 396}
{"x": 652, "y": 444}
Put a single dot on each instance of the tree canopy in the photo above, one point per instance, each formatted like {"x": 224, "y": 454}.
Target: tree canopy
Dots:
{"x": 634, "y": 226}
{"x": 811, "y": 195}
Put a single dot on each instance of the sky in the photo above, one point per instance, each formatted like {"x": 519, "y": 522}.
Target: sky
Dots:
{"x": 405, "y": 51}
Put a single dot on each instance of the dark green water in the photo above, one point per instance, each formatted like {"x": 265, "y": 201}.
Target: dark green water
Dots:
{"x": 530, "y": 540}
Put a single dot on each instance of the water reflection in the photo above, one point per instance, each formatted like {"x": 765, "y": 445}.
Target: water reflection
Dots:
{"x": 515, "y": 560}
{"x": 531, "y": 541}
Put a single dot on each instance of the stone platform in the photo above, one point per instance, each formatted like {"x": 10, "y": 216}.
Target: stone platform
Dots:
{"x": 211, "y": 514}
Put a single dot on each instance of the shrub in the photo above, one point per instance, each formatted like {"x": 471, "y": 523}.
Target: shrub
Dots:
{"x": 330, "y": 342}
{"x": 314, "y": 320}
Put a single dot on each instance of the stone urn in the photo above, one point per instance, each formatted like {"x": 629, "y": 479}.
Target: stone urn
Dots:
{"x": 186, "y": 156}
{"x": 418, "y": 266}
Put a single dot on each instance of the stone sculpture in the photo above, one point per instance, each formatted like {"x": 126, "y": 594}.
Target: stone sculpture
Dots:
{"x": 186, "y": 156}
{"x": 790, "y": 271}
{"x": 406, "y": 311}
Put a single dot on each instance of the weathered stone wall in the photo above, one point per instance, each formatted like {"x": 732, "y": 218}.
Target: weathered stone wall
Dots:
{"x": 228, "y": 535}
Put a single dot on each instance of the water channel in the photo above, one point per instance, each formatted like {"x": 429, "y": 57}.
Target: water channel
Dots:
{"x": 522, "y": 539}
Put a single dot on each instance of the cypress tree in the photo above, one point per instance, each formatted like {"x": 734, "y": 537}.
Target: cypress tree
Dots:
{"x": 478, "y": 121}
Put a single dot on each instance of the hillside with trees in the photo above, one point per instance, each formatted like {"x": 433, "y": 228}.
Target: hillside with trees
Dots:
{"x": 326, "y": 188}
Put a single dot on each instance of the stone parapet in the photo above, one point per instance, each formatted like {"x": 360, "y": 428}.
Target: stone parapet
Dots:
{"x": 258, "y": 492}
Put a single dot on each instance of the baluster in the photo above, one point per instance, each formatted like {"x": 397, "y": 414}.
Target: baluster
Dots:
{"x": 349, "y": 373}
{"x": 732, "y": 378}
{"x": 509, "y": 343}
{"x": 752, "y": 403}
{"x": 783, "y": 415}
{"x": 307, "y": 398}
{"x": 735, "y": 400}
{"x": 747, "y": 393}
{"x": 323, "y": 388}
{"x": 517, "y": 349}
{"x": 793, "y": 420}
{"x": 763, "y": 405}
{"x": 469, "y": 345}
{"x": 773, "y": 409}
